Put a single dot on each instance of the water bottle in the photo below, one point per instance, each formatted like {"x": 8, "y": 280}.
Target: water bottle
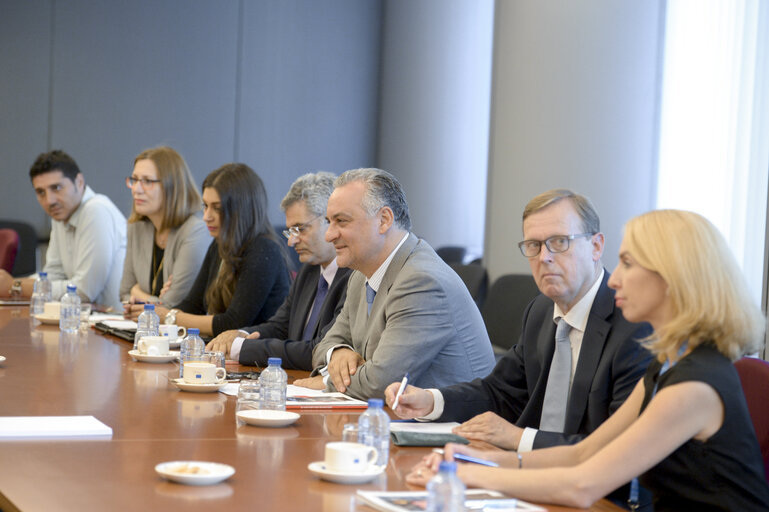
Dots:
{"x": 191, "y": 349}
{"x": 148, "y": 324}
{"x": 69, "y": 313}
{"x": 41, "y": 293}
{"x": 374, "y": 430}
{"x": 272, "y": 385}
{"x": 446, "y": 492}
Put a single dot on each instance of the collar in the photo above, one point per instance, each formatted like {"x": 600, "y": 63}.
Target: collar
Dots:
{"x": 329, "y": 272}
{"x": 376, "y": 278}
{"x": 578, "y": 315}
{"x": 71, "y": 223}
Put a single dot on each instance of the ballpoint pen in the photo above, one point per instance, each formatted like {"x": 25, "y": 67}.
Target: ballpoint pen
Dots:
{"x": 400, "y": 390}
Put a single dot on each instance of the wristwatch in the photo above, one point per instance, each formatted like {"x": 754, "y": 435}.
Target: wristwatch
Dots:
{"x": 15, "y": 290}
{"x": 171, "y": 317}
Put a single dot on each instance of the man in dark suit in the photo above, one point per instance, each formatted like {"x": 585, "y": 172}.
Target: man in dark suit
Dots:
{"x": 316, "y": 295}
{"x": 520, "y": 405}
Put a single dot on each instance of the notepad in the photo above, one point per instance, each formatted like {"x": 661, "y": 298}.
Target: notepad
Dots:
{"x": 39, "y": 427}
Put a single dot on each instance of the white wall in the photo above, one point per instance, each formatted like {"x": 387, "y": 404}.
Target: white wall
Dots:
{"x": 434, "y": 113}
{"x": 574, "y": 105}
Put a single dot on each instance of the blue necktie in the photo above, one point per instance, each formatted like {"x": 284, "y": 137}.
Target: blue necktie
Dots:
{"x": 370, "y": 294}
{"x": 317, "y": 305}
{"x": 557, "y": 391}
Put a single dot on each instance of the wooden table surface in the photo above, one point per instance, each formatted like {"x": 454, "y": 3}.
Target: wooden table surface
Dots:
{"x": 51, "y": 374}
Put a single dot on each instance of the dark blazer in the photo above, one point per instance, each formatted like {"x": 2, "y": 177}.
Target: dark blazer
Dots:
{"x": 281, "y": 335}
{"x": 611, "y": 361}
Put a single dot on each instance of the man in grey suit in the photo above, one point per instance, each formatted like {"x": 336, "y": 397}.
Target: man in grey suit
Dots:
{"x": 316, "y": 295}
{"x": 406, "y": 310}
{"x": 519, "y": 406}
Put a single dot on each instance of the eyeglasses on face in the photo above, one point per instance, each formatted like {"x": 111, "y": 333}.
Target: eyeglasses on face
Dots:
{"x": 555, "y": 244}
{"x": 130, "y": 181}
{"x": 298, "y": 229}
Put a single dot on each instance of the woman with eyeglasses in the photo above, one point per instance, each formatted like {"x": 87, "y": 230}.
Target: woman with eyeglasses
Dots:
{"x": 166, "y": 237}
{"x": 685, "y": 429}
{"x": 244, "y": 277}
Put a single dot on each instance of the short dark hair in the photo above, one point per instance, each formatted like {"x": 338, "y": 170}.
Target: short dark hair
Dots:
{"x": 56, "y": 160}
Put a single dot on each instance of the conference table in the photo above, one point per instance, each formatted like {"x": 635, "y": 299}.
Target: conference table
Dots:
{"x": 48, "y": 373}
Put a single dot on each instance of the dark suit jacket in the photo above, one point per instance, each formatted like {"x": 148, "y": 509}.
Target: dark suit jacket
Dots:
{"x": 611, "y": 361}
{"x": 281, "y": 335}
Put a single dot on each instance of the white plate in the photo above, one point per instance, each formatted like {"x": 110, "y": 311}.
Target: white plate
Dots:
{"x": 198, "y": 388}
{"x": 146, "y": 358}
{"x": 319, "y": 469}
{"x": 267, "y": 417}
{"x": 2, "y": 359}
{"x": 47, "y": 319}
{"x": 209, "y": 472}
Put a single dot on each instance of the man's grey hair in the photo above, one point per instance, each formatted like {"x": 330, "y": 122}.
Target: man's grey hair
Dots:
{"x": 312, "y": 188}
{"x": 382, "y": 189}
{"x": 583, "y": 206}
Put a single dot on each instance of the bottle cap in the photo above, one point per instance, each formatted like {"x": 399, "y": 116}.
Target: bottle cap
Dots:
{"x": 376, "y": 403}
{"x": 149, "y": 307}
{"x": 274, "y": 361}
{"x": 447, "y": 467}
{"x": 71, "y": 288}
{"x": 42, "y": 274}
{"x": 192, "y": 331}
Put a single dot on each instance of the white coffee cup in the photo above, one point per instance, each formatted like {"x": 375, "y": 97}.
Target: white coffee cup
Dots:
{"x": 196, "y": 372}
{"x": 173, "y": 332}
{"x": 345, "y": 457}
{"x": 51, "y": 309}
{"x": 153, "y": 345}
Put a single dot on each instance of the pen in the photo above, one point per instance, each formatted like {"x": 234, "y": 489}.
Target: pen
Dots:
{"x": 400, "y": 390}
{"x": 468, "y": 458}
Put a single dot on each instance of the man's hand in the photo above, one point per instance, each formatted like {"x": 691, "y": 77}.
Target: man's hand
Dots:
{"x": 6, "y": 281}
{"x": 343, "y": 363}
{"x": 490, "y": 428}
{"x": 414, "y": 402}
{"x": 223, "y": 342}
{"x": 253, "y": 336}
{"x": 311, "y": 382}
{"x": 132, "y": 311}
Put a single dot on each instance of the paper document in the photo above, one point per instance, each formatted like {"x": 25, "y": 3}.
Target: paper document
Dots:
{"x": 423, "y": 428}
{"x": 18, "y": 427}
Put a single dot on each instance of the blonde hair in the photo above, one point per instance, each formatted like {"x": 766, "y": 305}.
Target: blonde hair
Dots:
{"x": 708, "y": 293}
{"x": 180, "y": 195}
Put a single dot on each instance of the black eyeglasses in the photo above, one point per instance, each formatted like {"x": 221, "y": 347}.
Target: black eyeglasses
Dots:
{"x": 554, "y": 244}
{"x": 130, "y": 181}
{"x": 299, "y": 229}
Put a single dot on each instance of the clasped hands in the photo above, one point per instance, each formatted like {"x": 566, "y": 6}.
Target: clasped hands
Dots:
{"x": 344, "y": 363}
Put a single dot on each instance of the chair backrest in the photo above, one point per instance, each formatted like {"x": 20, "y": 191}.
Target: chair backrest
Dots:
{"x": 475, "y": 278}
{"x": 9, "y": 245}
{"x": 503, "y": 310}
{"x": 26, "y": 256}
{"x": 754, "y": 375}
{"x": 452, "y": 254}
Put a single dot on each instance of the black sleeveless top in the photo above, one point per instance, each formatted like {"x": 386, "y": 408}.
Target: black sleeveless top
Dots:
{"x": 726, "y": 472}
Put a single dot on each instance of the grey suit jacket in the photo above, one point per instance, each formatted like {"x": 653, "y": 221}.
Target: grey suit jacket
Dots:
{"x": 611, "y": 361}
{"x": 281, "y": 335}
{"x": 185, "y": 249}
{"x": 423, "y": 321}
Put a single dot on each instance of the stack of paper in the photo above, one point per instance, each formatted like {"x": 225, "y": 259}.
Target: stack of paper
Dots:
{"x": 19, "y": 427}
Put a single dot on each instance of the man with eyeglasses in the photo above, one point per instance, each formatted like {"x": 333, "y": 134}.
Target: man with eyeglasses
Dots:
{"x": 577, "y": 359}
{"x": 316, "y": 295}
{"x": 88, "y": 235}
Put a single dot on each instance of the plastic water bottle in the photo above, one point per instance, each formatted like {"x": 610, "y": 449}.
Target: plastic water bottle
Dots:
{"x": 41, "y": 293}
{"x": 446, "y": 492}
{"x": 69, "y": 313}
{"x": 374, "y": 430}
{"x": 190, "y": 349}
{"x": 148, "y": 324}
{"x": 272, "y": 385}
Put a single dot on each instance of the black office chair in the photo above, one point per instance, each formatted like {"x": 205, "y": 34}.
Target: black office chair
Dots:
{"x": 475, "y": 278}
{"x": 452, "y": 254}
{"x": 503, "y": 310}
{"x": 26, "y": 256}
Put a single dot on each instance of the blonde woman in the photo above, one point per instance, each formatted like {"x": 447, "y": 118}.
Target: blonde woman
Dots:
{"x": 167, "y": 238}
{"x": 685, "y": 429}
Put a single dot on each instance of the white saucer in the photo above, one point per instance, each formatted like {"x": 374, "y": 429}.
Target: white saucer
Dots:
{"x": 267, "y": 417}
{"x": 146, "y": 358}
{"x": 198, "y": 388}
{"x": 319, "y": 469}
{"x": 47, "y": 319}
{"x": 209, "y": 472}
